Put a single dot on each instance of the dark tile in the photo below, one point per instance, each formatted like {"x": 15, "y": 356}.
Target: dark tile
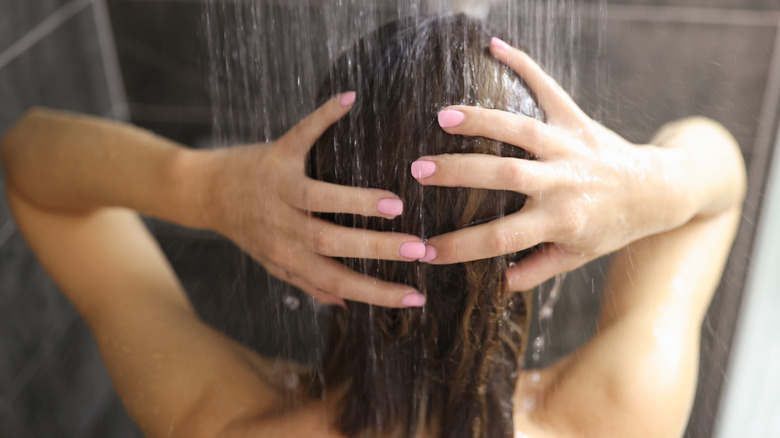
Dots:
{"x": 17, "y": 17}
{"x": 64, "y": 70}
{"x": 197, "y": 135}
{"x": 32, "y": 313}
{"x": 114, "y": 422}
{"x": 161, "y": 51}
{"x": 730, "y": 4}
{"x": 5, "y": 213}
{"x": 651, "y": 73}
{"x": 68, "y": 394}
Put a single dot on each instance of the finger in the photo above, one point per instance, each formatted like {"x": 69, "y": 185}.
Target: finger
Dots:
{"x": 510, "y": 234}
{"x": 485, "y": 172}
{"x": 536, "y": 137}
{"x": 317, "y": 196}
{"x": 555, "y": 101}
{"x": 329, "y": 239}
{"x": 321, "y": 296}
{"x": 301, "y": 138}
{"x": 542, "y": 265}
{"x": 336, "y": 279}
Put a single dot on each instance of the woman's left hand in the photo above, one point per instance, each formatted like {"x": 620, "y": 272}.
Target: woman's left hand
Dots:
{"x": 590, "y": 192}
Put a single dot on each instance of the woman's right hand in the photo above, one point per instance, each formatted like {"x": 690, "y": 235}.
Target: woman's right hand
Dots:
{"x": 260, "y": 197}
{"x": 590, "y": 192}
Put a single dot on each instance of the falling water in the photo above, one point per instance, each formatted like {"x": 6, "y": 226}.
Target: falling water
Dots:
{"x": 267, "y": 59}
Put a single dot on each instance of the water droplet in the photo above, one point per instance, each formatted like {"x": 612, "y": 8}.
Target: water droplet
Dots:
{"x": 291, "y": 381}
{"x": 539, "y": 343}
{"x": 535, "y": 378}
{"x": 529, "y": 403}
{"x": 292, "y": 302}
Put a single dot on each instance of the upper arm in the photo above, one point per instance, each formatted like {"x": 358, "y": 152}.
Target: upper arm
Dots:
{"x": 175, "y": 375}
{"x": 637, "y": 376}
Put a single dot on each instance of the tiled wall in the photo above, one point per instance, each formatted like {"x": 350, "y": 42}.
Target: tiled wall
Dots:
{"x": 659, "y": 59}
{"x": 57, "y": 53}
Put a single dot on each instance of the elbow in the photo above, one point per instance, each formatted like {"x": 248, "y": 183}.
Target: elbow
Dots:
{"x": 12, "y": 139}
{"x": 17, "y": 138}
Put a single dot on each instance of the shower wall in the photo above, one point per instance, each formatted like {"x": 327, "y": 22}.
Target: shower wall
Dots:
{"x": 655, "y": 61}
{"x": 57, "y": 53}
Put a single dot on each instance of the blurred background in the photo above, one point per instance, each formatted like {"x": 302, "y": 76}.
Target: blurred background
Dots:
{"x": 632, "y": 64}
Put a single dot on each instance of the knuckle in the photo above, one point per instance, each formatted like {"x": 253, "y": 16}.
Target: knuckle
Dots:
{"x": 502, "y": 241}
{"x": 377, "y": 249}
{"x": 458, "y": 170}
{"x": 323, "y": 243}
{"x": 448, "y": 249}
{"x": 513, "y": 174}
{"x": 306, "y": 195}
{"x": 573, "y": 222}
{"x": 533, "y": 132}
{"x": 338, "y": 288}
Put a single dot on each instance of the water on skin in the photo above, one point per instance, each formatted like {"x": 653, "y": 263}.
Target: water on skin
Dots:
{"x": 266, "y": 58}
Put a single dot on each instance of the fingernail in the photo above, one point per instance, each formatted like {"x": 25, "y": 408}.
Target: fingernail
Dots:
{"x": 423, "y": 169}
{"x": 348, "y": 98}
{"x": 412, "y": 250}
{"x": 414, "y": 300}
{"x": 499, "y": 45}
{"x": 451, "y": 118}
{"x": 390, "y": 207}
{"x": 430, "y": 254}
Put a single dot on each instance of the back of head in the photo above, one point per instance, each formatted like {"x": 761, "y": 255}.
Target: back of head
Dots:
{"x": 448, "y": 368}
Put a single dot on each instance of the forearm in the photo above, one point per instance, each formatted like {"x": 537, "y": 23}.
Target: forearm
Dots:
{"x": 73, "y": 163}
{"x": 682, "y": 265}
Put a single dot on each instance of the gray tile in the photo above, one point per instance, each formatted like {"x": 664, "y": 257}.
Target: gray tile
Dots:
{"x": 730, "y": 4}
{"x": 17, "y": 17}
{"x": 196, "y": 135}
{"x": 652, "y": 73}
{"x": 68, "y": 394}
{"x": 161, "y": 51}
{"x": 5, "y": 213}
{"x": 31, "y": 314}
{"x": 114, "y": 422}
{"x": 64, "y": 70}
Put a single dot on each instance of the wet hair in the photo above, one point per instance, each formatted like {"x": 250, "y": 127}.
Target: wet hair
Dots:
{"x": 448, "y": 368}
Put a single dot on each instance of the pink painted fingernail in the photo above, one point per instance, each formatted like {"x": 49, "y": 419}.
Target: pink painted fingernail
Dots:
{"x": 451, "y": 118}
{"x": 423, "y": 169}
{"x": 414, "y": 300}
{"x": 348, "y": 98}
{"x": 500, "y": 45}
{"x": 412, "y": 250}
{"x": 390, "y": 207}
{"x": 430, "y": 254}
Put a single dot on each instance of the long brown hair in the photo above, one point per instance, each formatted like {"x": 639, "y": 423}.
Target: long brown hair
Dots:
{"x": 447, "y": 368}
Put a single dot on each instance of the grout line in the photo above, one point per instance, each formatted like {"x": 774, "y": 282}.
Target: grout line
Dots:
{"x": 116, "y": 86}
{"x": 42, "y": 30}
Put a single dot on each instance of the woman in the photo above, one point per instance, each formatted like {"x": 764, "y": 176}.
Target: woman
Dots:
{"x": 670, "y": 208}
